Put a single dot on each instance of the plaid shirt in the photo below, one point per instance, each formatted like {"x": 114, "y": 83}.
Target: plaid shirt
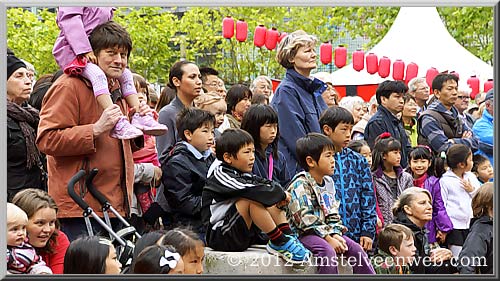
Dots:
{"x": 313, "y": 208}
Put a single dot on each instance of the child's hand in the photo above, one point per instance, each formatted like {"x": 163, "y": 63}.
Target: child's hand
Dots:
{"x": 467, "y": 185}
{"x": 91, "y": 57}
{"x": 379, "y": 222}
{"x": 366, "y": 243}
{"x": 338, "y": 243}
{"x": 157, "y": 176}
{"x": 288, "y": 197}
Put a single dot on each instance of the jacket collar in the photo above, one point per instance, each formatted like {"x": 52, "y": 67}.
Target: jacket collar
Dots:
{"x": 487, "y": 116}
{"x": 311, "y": 85}
{"x": 379, "y": 172}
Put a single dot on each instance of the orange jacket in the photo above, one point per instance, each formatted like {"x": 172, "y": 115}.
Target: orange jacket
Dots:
{"x": 65, "y": 134}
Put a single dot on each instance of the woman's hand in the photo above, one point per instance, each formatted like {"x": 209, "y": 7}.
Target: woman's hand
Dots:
{"x": 440, "y": 255}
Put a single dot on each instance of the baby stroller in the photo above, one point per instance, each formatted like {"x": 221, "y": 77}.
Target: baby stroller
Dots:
{"x": 124, "y": 239}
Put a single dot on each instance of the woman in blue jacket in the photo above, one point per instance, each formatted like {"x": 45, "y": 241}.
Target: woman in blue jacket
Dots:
{"x": 298, "y": 98}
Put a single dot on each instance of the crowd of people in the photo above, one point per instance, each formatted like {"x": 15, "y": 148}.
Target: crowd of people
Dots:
{"x": 401, "y": 184}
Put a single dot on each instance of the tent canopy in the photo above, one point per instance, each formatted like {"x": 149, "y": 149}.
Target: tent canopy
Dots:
{"x": 418, "y": 35}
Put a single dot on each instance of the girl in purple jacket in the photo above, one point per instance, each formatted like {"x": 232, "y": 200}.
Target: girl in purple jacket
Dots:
{"x": 73, "y": 53}
{"x": 426, "y": 175}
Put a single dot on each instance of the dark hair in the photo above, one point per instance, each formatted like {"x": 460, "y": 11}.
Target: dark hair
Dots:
{"x": 436, "y": 168}
{"x": 441, "y": 78}
{"x": 86, "y": 255}
{"x": 356, "y": 145}
{"x": 407, "y": 97}
{"x": 191, "y": 119}
{"x": 231, "y": 141}
{"x": 478, "y": 160}
{"x": 313, "y": 144}
{"x": 41, "y": 87}
{"x": 236, "y": 94}
{"x": 335, "y": 115}
{"x": 456, "y": 154}
{"x": 382, "y": 146}
{"x": 393, "y": 235}
{"x": 386, "y": 88}
{"x": 205, "y": 71}
{"x": 147, "y": 239}
{"x": 260, "y": 99}
{"x": 148, "y": 260}
{"x": 257, "y": 116}
{"x": 109, "y": 35}
{"x": 184, "y": 240}
{"x": 166, "y": 96}
{"x": 177, "y": 71}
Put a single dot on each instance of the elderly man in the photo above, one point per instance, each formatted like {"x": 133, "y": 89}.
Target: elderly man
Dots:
{"x": 462, "y": 104}
{"x": 483, "y": 128}
{"x": 439, "y": 126}
{"x": 74, "y": 132}
{"x": 418, "y": 88}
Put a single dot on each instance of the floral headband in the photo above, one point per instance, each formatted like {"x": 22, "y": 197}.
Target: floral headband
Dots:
{"x": 169, "y": 259}
{"x": 426, "y": 147}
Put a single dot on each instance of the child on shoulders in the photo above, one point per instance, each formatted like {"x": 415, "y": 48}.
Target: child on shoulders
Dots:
{"x": 313, "y": 209}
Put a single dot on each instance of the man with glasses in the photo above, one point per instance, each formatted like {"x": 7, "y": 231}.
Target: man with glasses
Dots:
{"x": 210, "y": 79}
{"x": 462, "y": 103}
{"x": 418, "y": 88}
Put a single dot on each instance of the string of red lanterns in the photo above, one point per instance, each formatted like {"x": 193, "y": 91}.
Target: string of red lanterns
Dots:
{"x": 271, "y": 37}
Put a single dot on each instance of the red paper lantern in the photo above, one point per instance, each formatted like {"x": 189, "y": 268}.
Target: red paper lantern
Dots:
{"x": 228, "y": 27}
{"x": 325, "y": 52}
{"x": 473, "y": 82}
{"x": 271, "y": 38}
{"x": 358, "y": 60}
{"x": 430, "y": 75}
{"x": 456, "y": 74}
{"x": 259, "y": 36}
{"x": 411, "y": 71}
{"x": 488, "y": 85}
{"x": 340, "y": 56}
{"x": 398, "y": 70}
{"x": 384, "y": 66}
{"x": 241, "y": 30}
{"x": 282, "y": 35}
{"x": 371, "y": 63}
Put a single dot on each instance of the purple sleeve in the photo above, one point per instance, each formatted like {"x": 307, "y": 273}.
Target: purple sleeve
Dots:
{"x": 70, "y": 21}
{"x": 441, "y": 218}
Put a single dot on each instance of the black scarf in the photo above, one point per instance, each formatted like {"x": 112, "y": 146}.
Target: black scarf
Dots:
{"x": 28, "y": 118}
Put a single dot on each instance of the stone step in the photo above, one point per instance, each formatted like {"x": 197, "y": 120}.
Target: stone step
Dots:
{"x": 255, "y": 261}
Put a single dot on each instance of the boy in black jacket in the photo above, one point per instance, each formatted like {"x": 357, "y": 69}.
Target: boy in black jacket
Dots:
{"x": 184, "y": 171}
{"x": 237, "y": 205}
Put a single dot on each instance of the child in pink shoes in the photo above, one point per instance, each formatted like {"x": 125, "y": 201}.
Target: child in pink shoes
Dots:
{"x": 74, "y": 54}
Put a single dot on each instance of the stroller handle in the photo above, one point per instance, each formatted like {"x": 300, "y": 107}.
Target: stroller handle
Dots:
{"x": 91, "y": 187}
{"x": 71, "y": 189}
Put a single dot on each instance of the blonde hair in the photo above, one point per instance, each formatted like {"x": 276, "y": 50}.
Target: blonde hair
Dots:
{"x": 288, "y": 47}
{"x": 406, "y": 198}
{"x": 14, "y": 214}
{"x": 483, "y": 200}
{"x": 206, "y": 99}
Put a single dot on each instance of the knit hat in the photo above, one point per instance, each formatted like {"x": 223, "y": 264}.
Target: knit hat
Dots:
{"x": 13, "y": 64}
{"x": 489, "y": 95}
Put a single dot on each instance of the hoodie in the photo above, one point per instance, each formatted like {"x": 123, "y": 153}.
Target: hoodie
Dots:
{"x": 479, "y": 243}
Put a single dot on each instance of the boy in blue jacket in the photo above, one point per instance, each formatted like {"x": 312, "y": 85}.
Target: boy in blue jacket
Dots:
{"x": 353, "y": 179}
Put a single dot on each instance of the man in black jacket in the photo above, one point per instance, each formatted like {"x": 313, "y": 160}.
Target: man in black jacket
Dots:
{"x": 390, "y": 99}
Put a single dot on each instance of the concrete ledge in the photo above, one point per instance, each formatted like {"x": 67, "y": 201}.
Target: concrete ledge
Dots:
{"x": 254, "y": 261}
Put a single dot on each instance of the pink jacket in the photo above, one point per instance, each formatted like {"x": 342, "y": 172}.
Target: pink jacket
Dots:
{"x": 76, "y": 24}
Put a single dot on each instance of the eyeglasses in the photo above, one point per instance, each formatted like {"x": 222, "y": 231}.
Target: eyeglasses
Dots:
{"x": 463, "y": 97}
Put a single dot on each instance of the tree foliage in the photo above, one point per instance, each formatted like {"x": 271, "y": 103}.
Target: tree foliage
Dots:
{"x": 162, "y": 36}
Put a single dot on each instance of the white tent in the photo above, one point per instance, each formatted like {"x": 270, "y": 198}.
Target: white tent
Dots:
{"x": 418, "y": 35}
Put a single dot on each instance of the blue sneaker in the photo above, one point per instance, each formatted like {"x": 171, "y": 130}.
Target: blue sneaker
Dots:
{"x": 292, "y": 251}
